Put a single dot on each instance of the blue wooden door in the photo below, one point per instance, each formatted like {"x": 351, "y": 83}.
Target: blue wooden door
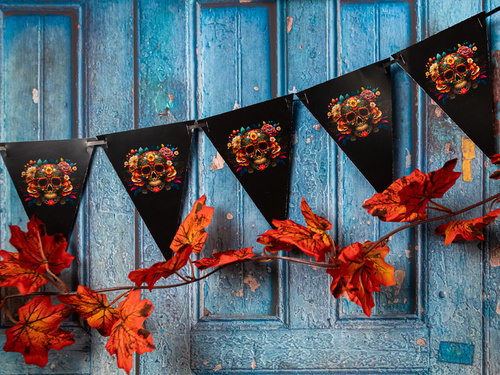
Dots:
{"x": 83, "y": 68}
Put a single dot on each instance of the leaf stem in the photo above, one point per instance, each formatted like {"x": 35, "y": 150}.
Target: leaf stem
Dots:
{"x": 9, "y": 315}
{"x": 119, "y": 297}
{"x": 193, "y": 276}
{"x": 444, "y": 208}
{"x": 430, "y": 220}
{"x": 182, "y": 277}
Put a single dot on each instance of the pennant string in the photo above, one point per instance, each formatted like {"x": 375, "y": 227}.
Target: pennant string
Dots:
{"x": 492, "y": 12}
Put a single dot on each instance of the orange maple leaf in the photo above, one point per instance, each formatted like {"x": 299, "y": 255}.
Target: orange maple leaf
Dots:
{"x": 360, "y": 274}
{"x": 37, "y": 250}
{"x": 12, "y": 274}
{"x": 127, "y": 334}
{"x": 495, "y": 159}
{"x": 224, "y": 257}
{"x": 192, "y": 230}
{"x": 93, "y": 307}
{"x": 313, "y": 240}
{"x": 161, "y": 269}
{"x": 467, "y": 230}
{"x": 406, "y": 198}
{"x": 38, "y": 331}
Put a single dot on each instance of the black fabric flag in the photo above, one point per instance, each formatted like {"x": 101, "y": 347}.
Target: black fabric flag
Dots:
{"x": 50, "y": 177}
{"x": 151, "y": 164}
{"x": 452, "y": 66}
{"x": 255, "y": 143}
{"x": 356, "y": 110}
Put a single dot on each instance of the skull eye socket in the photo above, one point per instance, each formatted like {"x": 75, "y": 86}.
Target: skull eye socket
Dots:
{"x": 56, "y": 181}
{"x": 146, "y": 169}
{"x": 42, "y": 182}
{"x": 159, "y": 168}
{"x": 250, "y": 149}
{"x": 263, "y": 145}
{"x": 461, "y": 68}
{"x": 363, "y": 112}
{"x": 351, "y": 116}
{"x": 448, "y": 74}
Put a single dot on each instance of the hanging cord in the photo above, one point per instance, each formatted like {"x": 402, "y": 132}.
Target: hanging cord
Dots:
{"x": 492, "y": 12}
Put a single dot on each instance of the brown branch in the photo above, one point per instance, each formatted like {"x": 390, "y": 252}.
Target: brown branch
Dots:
{"x": 430, "y": 220}
{"x": 119, "y": 297}
{"x": 443, "y": 208}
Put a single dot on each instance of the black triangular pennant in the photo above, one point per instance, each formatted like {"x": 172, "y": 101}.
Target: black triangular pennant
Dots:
{"x": 452, "y": 67}
{"x": 255, "y": 143}
{"x": 356, "y": 110}
{"x": 50, "y": 177}
{"x": 151, "y": 164}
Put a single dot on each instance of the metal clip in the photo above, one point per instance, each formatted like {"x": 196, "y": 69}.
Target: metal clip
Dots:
{"x": 97, "y": 142}
{"x": 197, "y": 125}
{"x": 3, "y": 148}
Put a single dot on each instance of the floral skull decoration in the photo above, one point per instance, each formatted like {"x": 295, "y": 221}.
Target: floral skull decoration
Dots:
{"x": 49, "y": 182}
{"x": 256, "y": 148}
{"x": 454, "y": 73}
{"x": 356, "y": 116}
{"x": 152, "y": 170}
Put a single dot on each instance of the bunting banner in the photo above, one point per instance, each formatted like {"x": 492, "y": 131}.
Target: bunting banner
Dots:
{"x": 356, "y": 110}
{"x": 151, "y": 163}
{"x": 255, "y": 143}
{"x": 452, "y": 67}
{"x": 50, "y": 177}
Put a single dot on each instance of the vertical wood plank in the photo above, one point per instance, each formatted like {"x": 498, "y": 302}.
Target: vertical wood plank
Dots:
{"x": 110, "y": 99}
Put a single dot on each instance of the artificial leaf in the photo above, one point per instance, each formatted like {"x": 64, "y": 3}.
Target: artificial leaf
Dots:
{"x": 192, "y": 230}
{"x": 495, "y": 159}
{"x": 161, "y": 269}
{"x": 224, "y": 257}
{"x": 360, "y": 274}
{"x": 406, "y": 198}
{"x": 38, "y": 331}
{"x": 39, "y": 251}
{"x": 271, "y": 239}
{"x": 12, "y": 274}
{"x": 127, "y": 334}
{"x": 314, "y": 222}
{"x": 93, "y": 307}
{"x": 467, "y": 230}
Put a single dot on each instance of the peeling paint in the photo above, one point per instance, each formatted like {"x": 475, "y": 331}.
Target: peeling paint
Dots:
{"x": 170, "y": 98}
{"x": 217, "y": 163}
{"x": 317, "y": 127}
{"x": 218, "y": 367}
{"x": 35, "y": 96}
{"x": 254, "y": 364}
{"x": 498, "y": 308}
{"x": 256, "y": 88}
{"x": 407, "y": 253}
{"x": 289, "y": 24}
{"x": 399, "y": 275}
{"x": 229, "y": 216}
{"x": 238, "y": 293}
{"x": 236, "y": 105}
{"x": 251, "y": 282}
{"x": 495, "y": 257}
{"x": 408, "y": 159}
{"x": 421, "y": 342}
{"x": 308, "y": 140}
{"x": 206, "y": 362}
{"x": 469, "y": 153}
{"x": 447, "y": 148}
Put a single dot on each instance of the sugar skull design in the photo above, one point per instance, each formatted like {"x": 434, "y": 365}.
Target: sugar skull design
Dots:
{"x": 152, "y": 169}
{"x": 356, "y": 115}
{"x": 456, "y": 72}
{"x": 256, "y": 148}
{"x": 49, "y": 182}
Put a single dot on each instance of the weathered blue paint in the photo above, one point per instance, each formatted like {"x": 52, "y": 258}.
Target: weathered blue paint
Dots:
{"x": 103, "y": 66}
{"x": 454, "y": 352}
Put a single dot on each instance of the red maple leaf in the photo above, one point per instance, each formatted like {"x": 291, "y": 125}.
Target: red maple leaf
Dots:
{"x": 161, "y": 269}
{"x": 313, "y": 240}
{"x": 406, "y": 198}
{"x": 224, "y": 257}
{"x": 128, "y": 335}
{"x": 38, "y": 331}
{"x": 12, "y": 274}
{"x": 37, "y": 250}
{"x": 360, "y": 274}
{"x": 192, "y": 230}
{"x": 467, "y": 230}
{"x": 93, "y": 307}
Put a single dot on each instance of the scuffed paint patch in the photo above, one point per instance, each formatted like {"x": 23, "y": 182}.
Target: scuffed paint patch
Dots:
{"x": 251, "y": 282}
{"x": 408, "y": 159}
{"x": 289, "y": 24}
{"x": 447, "y": 148}
{"x": 317, "y": 127}
{"x": 437, "y": 111}
{"x": 498, "y": 308}
{"x": 170, "y": 98}
{"x": 308, "y": 140}
{"x": 399, "y": 275}
{"x": 253, "y": 365}
{"x": 421, "y": 342}
{"x": 206, "y": 362}
{"x": 217, "y": 163}
{"x": 218, "y": 367}
{"x": 229, "y": 216}
{"x": 407, "y": 253}
{"x": 495, "y": 257}
{"x": 236, "y": 105}
{"x": 238, "y": 293}
{"x": 256, "y": 88}
{"x": 469, "y": 153}
{"x": 35, "y": 96}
